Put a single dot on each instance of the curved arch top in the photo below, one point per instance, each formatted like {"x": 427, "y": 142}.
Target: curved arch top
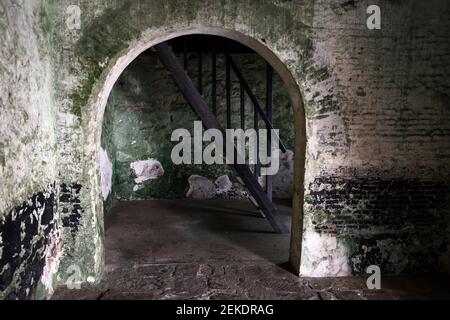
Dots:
{"x": 118, "y": 65}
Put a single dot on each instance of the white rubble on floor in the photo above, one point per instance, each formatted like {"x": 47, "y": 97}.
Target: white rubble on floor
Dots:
{"x": 200, "y": 188}
{"x": 222, "y": 188}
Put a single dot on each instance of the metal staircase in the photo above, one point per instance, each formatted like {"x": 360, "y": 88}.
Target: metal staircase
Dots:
{"x": 260, "y": 197}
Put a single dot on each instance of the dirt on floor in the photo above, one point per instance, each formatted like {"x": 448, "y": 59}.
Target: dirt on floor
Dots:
{"x": 219, "y": 250}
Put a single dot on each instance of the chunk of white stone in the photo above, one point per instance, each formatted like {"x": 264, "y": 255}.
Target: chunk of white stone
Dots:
{"x": 144, "y": 170}
{"x": 223, "y": 184}
{"x": 138, "y": 187}
{"x": 200, "y": 188}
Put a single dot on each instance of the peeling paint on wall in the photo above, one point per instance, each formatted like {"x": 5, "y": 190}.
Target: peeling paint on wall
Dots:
{"x": 27, "y": 126}
{"x": 52, "y": 255}
{"x": 106, "y": 171}
{"x": 70, "y": 206}
{"x": 26, "y": 232}
{"x": 323, "y": 256}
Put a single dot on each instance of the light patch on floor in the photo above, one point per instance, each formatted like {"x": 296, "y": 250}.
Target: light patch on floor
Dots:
{"x": 213, "y": 249}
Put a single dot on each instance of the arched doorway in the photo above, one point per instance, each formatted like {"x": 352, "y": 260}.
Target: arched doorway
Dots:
{"x": 144, "y": 111}
{"x": 102, "y": 89}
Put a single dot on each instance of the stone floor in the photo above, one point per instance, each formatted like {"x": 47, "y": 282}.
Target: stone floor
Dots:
{"x": 218, "y": 250}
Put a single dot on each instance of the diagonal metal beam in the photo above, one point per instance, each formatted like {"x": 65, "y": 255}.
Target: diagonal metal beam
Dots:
{"x": 198, "y": 104}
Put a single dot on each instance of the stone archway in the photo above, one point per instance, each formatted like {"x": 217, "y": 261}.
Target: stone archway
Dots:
{"x": 103, "y": 88}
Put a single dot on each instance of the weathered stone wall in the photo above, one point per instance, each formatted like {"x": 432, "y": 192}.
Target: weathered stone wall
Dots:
{"x": 379, "y": 190}
{"x": 376, "y": 110}
{"x": 145, "y": 107}
{"x": 28, "y": 221}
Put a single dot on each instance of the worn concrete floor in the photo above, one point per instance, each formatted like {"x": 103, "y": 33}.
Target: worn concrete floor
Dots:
{"x": 189, "y": 249}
